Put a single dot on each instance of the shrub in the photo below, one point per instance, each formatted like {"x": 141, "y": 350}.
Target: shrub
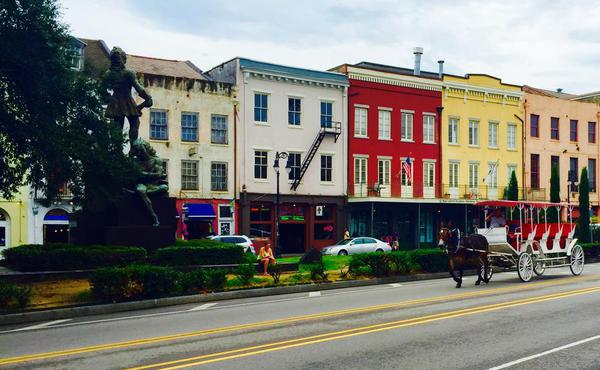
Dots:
{"x": 344, "y": 273}
{"x": 111, "y": 283}
{"x": 136, "y": 281}
{"x": 35, "y": 257}
{"x": 194, "y": 280}
{"x": 376, "y": 263}
{"x": 13, "y": 295}
{"x": 275, "y": 272}
{"x": 430, "y": 260}
{"x": 317, "y": 271}
{"x": 209, "y": 252}
{"x": 245, "y": 272}
{"x": 400, "y": 262}
{"x": 216, "y": 279}
{"x": 156, "y": 281}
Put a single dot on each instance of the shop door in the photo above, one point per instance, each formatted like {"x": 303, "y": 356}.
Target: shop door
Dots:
{"x": 292, "y": 238}
{"x": 56, "y": 233}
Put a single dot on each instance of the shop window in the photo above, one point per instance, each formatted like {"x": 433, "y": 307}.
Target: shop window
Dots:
{"x": 323, "y": 213}
{"x": 324, "y": 231}
{"x": 260, "y": 230}
{"x": 260, "y": 213}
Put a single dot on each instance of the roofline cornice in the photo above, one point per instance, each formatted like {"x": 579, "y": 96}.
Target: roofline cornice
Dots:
{"x": 261, "y": 73}
{"x": 489, "y": 90}
{"x": 396, "y": 79}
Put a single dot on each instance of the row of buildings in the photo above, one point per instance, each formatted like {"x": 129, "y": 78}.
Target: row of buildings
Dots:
{"x": 381, "y": 150}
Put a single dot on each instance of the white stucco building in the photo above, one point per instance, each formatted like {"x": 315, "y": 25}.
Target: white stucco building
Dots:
{"x": 302, "y": 113}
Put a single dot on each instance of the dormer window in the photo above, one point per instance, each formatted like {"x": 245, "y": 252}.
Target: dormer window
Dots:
{"x": 75, "y": 57}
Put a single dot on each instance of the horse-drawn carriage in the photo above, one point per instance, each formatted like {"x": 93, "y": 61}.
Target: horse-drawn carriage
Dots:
{"x": 530, "y": 243}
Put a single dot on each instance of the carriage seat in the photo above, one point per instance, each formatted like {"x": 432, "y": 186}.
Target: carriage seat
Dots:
{"x": 494, "y": 235}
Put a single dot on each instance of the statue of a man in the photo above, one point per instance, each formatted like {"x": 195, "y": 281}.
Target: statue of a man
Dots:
{"x": 152, "y": 180}
{"x": 121, "y": 104}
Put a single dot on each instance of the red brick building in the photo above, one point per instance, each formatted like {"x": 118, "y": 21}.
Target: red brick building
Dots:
{"x": 394, "y": 114}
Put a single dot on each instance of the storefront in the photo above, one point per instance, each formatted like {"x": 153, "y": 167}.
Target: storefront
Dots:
{"x": 55, "y": 228}
{"x": 4, "y": 230}
{"x": 200, "y": 219}
{"x": 309, "y": 222}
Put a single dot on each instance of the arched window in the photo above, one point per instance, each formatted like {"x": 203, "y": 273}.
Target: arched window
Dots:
{"x": 57, "y": 214}
{"x": 56, "y": 226}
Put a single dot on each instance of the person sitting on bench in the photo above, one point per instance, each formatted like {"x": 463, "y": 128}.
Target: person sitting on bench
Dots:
{"x": 266, "y": 257}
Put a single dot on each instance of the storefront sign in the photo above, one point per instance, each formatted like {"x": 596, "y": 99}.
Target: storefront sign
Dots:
{"x": 319, "y": 211}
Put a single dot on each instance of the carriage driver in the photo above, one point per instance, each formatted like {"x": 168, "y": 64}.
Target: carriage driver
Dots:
{"x": 496, "y": 218}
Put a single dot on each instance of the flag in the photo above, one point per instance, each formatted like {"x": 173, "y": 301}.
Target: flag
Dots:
{"x": 406, "y": 168}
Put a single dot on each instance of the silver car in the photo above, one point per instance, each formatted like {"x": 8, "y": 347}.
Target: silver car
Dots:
{"x": 241, "y": 240}
{"x": 356, "y": 245}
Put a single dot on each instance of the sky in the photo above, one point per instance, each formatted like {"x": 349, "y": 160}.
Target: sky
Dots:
{"x": 542, "y": 43}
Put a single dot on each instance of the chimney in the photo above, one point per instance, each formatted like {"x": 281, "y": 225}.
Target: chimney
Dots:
{"x": 418, "y": 51}
{"x": 441, "y": 69}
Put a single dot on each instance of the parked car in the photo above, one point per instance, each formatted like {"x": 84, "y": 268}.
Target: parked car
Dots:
{"x": 241, "y": 240}
{"x": 356, "y": 245}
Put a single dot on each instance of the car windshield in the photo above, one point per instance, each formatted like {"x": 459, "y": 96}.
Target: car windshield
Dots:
{"x": 343, "y": 242}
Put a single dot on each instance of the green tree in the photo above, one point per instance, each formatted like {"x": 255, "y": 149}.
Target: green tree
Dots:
{"x": 583, "y": 222}
{"x": 554, "y": 193}
{"x": 512, "y": 191}
{"x": 52, "y": 126}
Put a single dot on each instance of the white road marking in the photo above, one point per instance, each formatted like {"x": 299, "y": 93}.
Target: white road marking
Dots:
{"x": 202, "y": 307}
{"x": 521, "y": 360}
{"x": 41, "y": 326}
{"x": 314, "y": 294}
{"x": 395, "y": 285}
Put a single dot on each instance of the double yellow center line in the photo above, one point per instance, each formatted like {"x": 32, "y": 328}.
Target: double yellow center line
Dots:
{"x": 288, "y": 320}
{"x": 331, "y": 336}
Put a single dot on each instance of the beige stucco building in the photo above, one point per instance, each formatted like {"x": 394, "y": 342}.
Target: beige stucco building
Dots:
{"x": 564, "y": 131}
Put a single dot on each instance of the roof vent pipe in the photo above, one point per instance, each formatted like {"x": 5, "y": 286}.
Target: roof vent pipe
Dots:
{"x": 418, "y": 51}
{"x": 559, "y": 90}
{"x": 441, "y": 69}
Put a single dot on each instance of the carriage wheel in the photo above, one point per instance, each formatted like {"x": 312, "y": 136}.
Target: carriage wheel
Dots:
{"x": 525, "y": 266}
{"x": 539, "y": 267}
{"x": 577, "y": 260}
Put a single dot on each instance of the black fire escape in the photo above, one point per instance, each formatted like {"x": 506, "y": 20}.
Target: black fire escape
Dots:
{"x": 333, "y": 129}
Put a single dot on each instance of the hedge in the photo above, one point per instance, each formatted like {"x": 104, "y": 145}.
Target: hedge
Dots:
{"x": 382, "y": 264}
{"x": 430, "y": 260}
{"x": 146, "y": 281}
{"x": 12, "y": 295}
{"x": 591, "y": 249}
{"x": 52, "y": 257}
{"x": 199, "y": 252}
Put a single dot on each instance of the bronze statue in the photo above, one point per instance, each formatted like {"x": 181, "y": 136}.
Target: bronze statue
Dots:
{"x": 152, "y": 180}
{"x": 121, "y": 80}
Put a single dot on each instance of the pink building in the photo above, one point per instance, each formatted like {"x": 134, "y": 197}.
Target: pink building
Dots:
{"x": 561, "y": 130}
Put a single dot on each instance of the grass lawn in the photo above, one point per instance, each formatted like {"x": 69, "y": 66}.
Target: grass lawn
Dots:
{"x": 57, "y": 293}
{"x": 332, "y": 263}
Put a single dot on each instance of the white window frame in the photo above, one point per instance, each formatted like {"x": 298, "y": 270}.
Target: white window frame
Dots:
{"x": 197, "y": 175}
{"x": 473, "y": 133}
{"x": 428, "y": 174}
{"x": 453, "y": 174}
{"x": 407, "y": 125}
{"x": 362, "y": 162}
{"x": 385, "y": 124}
{"x": 493, "y": 134}
{"x": 330, "y": 169}
{"x": 474, "y": 177}
{"x": 493, "y": 171}
{"x": 385, "y": 170}
{"x": 299, "y": 166}
{"x": 254, "y": 166}
{"x": 295, "y": 112}
{"x": 511, "y": 139}
{"x": 428, "y": 128}
{"x": 268, "y": 109}
{"x": 360, "y": 125}
{"x": 453, "y": 127}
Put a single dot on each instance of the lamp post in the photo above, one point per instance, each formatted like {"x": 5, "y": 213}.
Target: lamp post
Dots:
{"x": 288, "y": 168}
{"x": 572, "y": 180}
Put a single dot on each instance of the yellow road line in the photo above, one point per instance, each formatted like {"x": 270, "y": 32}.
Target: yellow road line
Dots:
{"x": 331, "y": 336}
{"x": 293, "y": 319}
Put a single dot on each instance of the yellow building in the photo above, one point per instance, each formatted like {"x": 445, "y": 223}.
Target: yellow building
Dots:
{"x": 13, "y": 220}
{"x": 482, "y": 137}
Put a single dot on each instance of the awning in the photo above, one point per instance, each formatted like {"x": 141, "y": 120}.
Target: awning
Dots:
{"x": 199, "y": 211}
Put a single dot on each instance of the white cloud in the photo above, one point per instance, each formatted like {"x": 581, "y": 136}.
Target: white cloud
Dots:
{"x": 540, "y": 43}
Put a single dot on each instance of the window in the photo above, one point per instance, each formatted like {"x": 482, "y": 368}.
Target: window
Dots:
{"x": 407, "y": 126}
{"x": 326, "y": 168}
{"x": 158, "y": 125}
{"x": 428, "y": 129}
{"x": 592, "y": 174}
{"x": 511, "y": 136}
{"x": 260, "y": 164}
{"x": 574, "y": 168}
{"x": 225, "y": 211}
{"x": 384, "y": 172}
{"x": 218, "y": 176}
{"x": 261, "y": 107}
{"x": 453, "y": 172}
{"x": 474, "y": 176}
{"x": 189, "y": 175}
{"x": 326, "y": 114}
{"x": 474, "y": 133}
{"x": 591, "y": 132}
{"x": 534, "y": 122}
{"x": 218, "y": 129}
{"x": 554, "y": 133}
{"x": 360, "y": 170}
{"x": 75, "y": 57}
{"x": 535, "y": 171}
{"x": 385, "y": 117}
{"x": 493, "y": 135}
{"x": 573, "y": 130}
{"x": 492, "y": 177}
{"x": 165, "y": 167}
{"x": 294, "y": 111}
{"x": 404, "y": 180}
{"x": 295, "y": 162}
{"x": 429, "y": 174}
{"x": 453, "y": 131}
{"x": 189, "y": 126}
{"x": 261, "y": 217}
{"x": 555, "y": 161}
{"x": 360, "y": 122}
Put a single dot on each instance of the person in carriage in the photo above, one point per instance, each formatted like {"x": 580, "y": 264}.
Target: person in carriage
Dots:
{"x": 496, "y": 218}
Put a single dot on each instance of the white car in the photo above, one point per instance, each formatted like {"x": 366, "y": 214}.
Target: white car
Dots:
{"x": 241, "y": 240}
{"x": 356, "y": 245}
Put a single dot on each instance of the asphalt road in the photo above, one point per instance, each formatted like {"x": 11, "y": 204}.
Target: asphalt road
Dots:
{"x": 549, "y": 323}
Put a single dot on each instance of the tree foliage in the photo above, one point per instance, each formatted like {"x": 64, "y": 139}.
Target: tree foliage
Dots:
{"x": 512, "y": 191}
{"x": 583, "y": 222}
{"x": 52, "y": 125}
{"x": 554, "y": 193}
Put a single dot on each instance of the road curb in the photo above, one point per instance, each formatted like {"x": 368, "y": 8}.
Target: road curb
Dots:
{"x": 72, "y": 312}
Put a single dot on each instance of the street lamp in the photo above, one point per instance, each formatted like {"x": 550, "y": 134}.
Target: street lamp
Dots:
{"x": 572, "y": 180}
{"x": 288, "y": 168}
